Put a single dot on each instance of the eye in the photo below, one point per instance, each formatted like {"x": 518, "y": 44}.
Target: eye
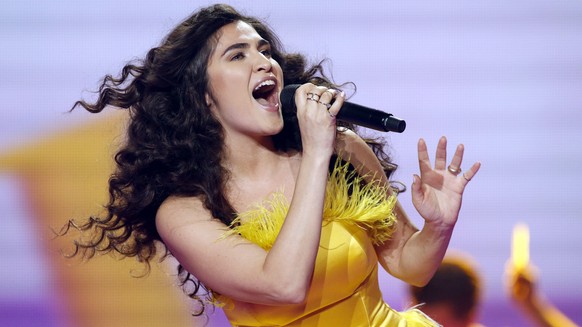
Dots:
{"x": 267, "y": 52}
{"x": 237, "y": 56}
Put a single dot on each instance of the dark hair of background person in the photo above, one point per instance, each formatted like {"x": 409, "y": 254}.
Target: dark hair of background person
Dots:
{"x": 455, "y": 283}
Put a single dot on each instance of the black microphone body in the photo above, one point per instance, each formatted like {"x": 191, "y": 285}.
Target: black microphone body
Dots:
{"x": 353, "y": 113}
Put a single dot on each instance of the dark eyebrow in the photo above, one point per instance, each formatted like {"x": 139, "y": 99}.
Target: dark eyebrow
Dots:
{"x": 242, "y": 45}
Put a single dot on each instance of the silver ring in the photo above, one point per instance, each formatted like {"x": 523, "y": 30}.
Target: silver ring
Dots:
{"x": 467, "y": 179}
{"x": 327, "y": 105}
{"x": 312, "y": 97}
{"x": 454, "y": 171}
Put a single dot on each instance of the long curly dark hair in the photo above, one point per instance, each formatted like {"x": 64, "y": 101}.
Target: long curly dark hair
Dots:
{"x": 174, "y": 145}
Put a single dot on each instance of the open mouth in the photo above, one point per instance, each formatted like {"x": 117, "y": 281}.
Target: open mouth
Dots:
{"x": 266, "y": 93}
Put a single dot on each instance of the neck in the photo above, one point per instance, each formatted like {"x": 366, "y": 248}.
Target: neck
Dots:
{"x": 250, "y": 157}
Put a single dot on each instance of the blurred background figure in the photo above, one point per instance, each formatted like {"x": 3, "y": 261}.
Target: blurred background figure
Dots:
{"x": 522, "y": 284}
{"x": 453, "y": 296}
{"x": 523, "y": 288}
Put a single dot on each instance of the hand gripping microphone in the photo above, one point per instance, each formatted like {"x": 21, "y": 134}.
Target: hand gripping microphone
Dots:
{"x": 353, "y": 113}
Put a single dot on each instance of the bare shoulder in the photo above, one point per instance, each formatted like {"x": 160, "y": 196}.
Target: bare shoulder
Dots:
{"x": 351, "y": 147}
{"x": 349, "y": 141}
{"x": 176, "y": 203}
{"x": 200, "y": 243}
{"x": 176, "y": 212}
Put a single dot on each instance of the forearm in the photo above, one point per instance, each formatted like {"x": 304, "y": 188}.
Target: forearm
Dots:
{"x": 292, "y": 257}
{"x": 423, "y": 252}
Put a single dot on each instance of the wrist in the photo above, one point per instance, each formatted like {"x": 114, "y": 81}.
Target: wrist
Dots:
{"x": 438, "y": 227}
{"x": 315, "y": 159}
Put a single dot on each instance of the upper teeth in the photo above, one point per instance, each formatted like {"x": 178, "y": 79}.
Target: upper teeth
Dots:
{"x": 265, "y": 83}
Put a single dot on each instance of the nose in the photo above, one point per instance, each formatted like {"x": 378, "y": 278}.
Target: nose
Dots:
{"x": 263, "y": 63}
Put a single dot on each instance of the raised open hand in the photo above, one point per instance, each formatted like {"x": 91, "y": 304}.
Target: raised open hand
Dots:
{"x": 437, "y": 193}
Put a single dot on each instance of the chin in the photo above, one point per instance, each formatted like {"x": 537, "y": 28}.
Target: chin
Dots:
{"x": 276, "y": 131}
{"x": 277, "y": 126}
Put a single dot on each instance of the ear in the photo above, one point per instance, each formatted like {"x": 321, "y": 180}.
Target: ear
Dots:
{"x": 208, "y": 99}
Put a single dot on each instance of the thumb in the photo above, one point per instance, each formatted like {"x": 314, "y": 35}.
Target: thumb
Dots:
{"x": 416, "y": 188}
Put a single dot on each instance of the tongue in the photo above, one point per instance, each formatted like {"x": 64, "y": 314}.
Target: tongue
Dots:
{"x": 263, "y": 101}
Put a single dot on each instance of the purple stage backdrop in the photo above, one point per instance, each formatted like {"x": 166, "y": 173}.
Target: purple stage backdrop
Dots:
{"x": 502, "y": 77}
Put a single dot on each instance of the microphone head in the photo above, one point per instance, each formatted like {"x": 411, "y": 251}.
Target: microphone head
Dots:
{"x": 394, "y": 124}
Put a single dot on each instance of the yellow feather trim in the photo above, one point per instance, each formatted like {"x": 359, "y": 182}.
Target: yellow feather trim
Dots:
{"x": 368, "y": 207}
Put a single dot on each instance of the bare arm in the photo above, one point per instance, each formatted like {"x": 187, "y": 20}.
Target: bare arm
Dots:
{"x": 240, "y": 269}
{"x": 414, "y": 255}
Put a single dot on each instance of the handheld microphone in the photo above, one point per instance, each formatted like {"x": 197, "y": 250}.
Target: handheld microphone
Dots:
{"x": 353, "y": 113}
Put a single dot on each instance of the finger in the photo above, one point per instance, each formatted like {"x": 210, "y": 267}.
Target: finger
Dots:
{"x": 326, "y": 99}
{"x": 441, "y": 154}
{"x": 310, "y": 95}
{"x": 455, "y": 165}
{"x": 469, "y": 174}
{"x": 309, "y": 89}
{"x": 328, "y": 95}
{"x": 306, "y": 92}
{"x": 324, "y": 96}
{"x": 416, "y": 188}
{"x": 318, "y": 102}
{"x": 338, "y": 102}
{"x": 423, "y": 159}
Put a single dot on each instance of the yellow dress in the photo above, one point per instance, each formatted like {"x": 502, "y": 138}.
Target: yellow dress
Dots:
{"x": 344, "y": 289}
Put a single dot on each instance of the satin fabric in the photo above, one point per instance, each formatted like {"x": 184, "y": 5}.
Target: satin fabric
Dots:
{"x": 344, "y": 290}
